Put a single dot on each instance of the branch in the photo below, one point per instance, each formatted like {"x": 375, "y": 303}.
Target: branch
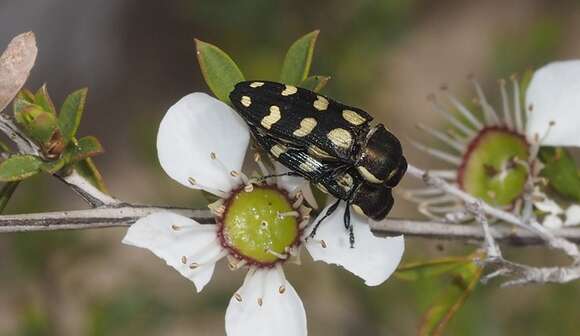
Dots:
{"x": 103, "y": 217}
{"x": 93, "y": 196}
{"x": 467, "y": 232}
{"x": 520, "y": 274}
{"x": 126, "y": 214}
{"x": 555, "y": 242}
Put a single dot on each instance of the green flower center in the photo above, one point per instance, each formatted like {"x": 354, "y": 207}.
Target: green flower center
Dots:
{"x": 492, "y": 168}
{"x": 260, "y": 225}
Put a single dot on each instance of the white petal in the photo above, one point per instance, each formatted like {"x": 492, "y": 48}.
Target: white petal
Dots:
{"x": 194, "y": 127}
{"x": 373, "y": 259}
{"x": 553, "y": 95}
{"x": 572, "y": 215}
{"x": 552, "y": 222}
{"x": 280, "y": 314}
{"x": 173, "y": 237}
{"x": 548, "y": 205}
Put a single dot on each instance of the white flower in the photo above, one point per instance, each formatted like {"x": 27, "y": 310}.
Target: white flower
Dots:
{"x": 495, "y": 155}
{"x": 552, "y": 98}
{"x": 201, "y": 144}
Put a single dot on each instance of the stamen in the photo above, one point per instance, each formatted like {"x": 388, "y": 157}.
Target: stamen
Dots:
{"x": 491, "y": 116}
{"x": 247, "y": 278}
{"x": 262, "y": 290}
{"x": 506, "y": 109}
{"x": 224, "y": 169}
{"x": 299, "y": 200}
{"x": 449, "y": 158}
{"x": 464, "y": 111}
{"x": 460, "y": 147}
{"x": 281, "y": 278}
{"x": 202, "y": 252}
{"x": 308, "y": 195}
{"x": 191, "y": 181}
{"x": 454, "y": 121}
{"x": 249, "y": 187}
{"x": 205, "y": 228}
{"x": 263, "y": 169}
{"x": 288, "y": 214}
{"x": 319, "y": 241}
{"x": 276, "y": 254}
{"x": 235, "y": 264}
{"x": 445, "y": 174}
{"x": 519, "y": 124}
{"x": 219, "y": 210}
{"x": 216, "y": 204}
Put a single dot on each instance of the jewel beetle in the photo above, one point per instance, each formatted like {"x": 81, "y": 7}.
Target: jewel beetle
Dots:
{"x": 332, "y": 145}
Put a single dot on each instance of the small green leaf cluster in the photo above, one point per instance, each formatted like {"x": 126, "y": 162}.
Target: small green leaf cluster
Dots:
{"x": 54, "y": 133}
{"x": 221, "y": 73}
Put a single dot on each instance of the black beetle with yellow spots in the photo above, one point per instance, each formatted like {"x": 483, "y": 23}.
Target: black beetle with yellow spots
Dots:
{"x": 331, "y": 144}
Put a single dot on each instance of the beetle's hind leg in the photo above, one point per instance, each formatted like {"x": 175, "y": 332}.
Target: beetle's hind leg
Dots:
{"x": 329, "y": 212}
{"x": 348, "y": 225}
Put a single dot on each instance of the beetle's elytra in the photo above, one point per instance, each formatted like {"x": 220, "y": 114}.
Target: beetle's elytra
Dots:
{"x": 331, "y": 144}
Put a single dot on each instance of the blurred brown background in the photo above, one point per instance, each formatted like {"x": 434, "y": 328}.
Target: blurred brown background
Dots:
{"x": 137, "y": 58}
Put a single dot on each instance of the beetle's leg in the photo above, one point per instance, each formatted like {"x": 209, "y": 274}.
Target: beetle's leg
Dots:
{"x": 348, "y": 225}
{"x": 329, "y": 212}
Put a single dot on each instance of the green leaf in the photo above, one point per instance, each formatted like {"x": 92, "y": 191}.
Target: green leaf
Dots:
{"x": 6, "y": 193}
{"x": 314, "y": 83}
{"x": 432, "y": 268}
{"x": 24, "y": 99}
{"x": 52, "y": 167}
{"x": 463, "y": 282}
{"x": 220, "y": 72}
{"x": 42, "y": 99}
{"x": 561, "y": 171}
{"x": 19, "y": 167}
{"x": 88, "y": 146}
{"x": 296, "y": 66}
{"x": 87, "y": 169}
{"x": 71, "y": 113}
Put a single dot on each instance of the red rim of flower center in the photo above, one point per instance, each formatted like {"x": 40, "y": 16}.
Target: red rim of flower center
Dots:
{"x": 473, "y": 145}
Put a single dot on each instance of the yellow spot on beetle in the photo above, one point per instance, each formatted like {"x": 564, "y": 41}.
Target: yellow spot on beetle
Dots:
{"x": 246, "y": 101}
{"x": 256, "y": 84}
{"x": 289, "y": 90}
{"x": 353, "y": 117}
{"x": 321, "y": 103}
{"x": 271, "y": 118}
{"x": 306, "y": 126}
{"x": 340, "y": 137}
{"x": 278, "y": 150}
{"x": 358, "y": 210}
{"x": 367, "y": 175}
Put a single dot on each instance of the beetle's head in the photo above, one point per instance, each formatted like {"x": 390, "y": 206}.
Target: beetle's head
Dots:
{"x": 373, "y": 200}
